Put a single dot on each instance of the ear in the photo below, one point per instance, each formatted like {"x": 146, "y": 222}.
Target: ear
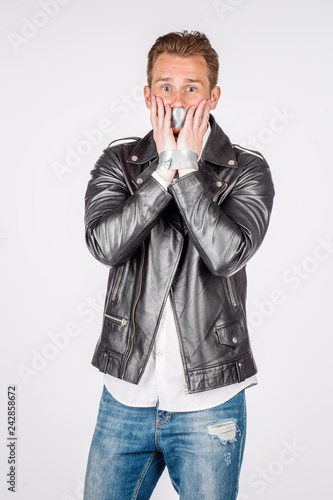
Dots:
{"x": 215, "y": 96}
{"x": 147, "y": 95}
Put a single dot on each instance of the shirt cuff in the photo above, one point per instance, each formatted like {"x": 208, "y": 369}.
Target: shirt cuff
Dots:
{"x": 160, "y": 179}
{"x": 177, "y": 159}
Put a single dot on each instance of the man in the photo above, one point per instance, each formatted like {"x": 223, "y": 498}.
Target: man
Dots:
{"x": 176, "y": 216}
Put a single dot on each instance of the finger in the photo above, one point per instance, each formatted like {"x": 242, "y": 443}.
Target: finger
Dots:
{"x": 167, "y": 117}
{"x": 202, "y": 117}
{"x": 205, "y": 117}
{"x": 160, "y": 111}
{"x": 189, "y": 117}
{"x": 199, "y": 113}
{"x": 153, "y": 111}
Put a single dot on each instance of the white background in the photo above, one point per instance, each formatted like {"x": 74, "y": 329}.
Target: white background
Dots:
{"x": 62, "y": 74}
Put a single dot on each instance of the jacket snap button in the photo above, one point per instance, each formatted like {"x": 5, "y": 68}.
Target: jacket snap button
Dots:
{"x": 139, "y": 180}
{"x": 231, "y": 162}
{"x": 134, "y": 158}
{"x": 234, "y": 340}
{"x": 218, "y": 183}
{"x": 239, "y": 364}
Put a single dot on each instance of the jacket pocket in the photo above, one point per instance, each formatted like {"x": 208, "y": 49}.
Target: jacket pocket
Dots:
{"x": 230, "y": 335}
{"x": 117, "y": 320}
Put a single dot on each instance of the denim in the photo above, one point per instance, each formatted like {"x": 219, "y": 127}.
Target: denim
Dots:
{"x": 131, "y": 446}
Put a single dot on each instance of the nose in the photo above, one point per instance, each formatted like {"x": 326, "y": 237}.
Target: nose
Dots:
{"x": 178, "y": 100}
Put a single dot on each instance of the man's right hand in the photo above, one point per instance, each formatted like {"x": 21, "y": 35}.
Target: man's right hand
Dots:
{"x": 160, "y": 117}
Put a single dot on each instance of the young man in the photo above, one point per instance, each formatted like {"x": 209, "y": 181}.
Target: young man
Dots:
{"x": 176, "y": 216}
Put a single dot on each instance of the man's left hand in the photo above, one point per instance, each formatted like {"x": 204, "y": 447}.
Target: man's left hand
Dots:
{"x": 195, "y": 126}
{"x": 191, "y": 135}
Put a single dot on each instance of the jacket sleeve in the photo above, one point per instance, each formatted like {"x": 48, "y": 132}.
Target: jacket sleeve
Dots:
{"x": 227, "y": 235}
{"x": 116, "y": 221}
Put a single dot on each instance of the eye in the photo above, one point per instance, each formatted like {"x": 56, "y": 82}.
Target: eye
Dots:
{"x": 166, "y": 88}
{"x": 191, "y": 89}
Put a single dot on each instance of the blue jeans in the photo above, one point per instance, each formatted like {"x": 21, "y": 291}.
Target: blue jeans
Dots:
{"x": 202, "y": 450}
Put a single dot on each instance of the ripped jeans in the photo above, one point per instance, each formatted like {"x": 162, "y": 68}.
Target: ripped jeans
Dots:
{"x": 131, "y": 446}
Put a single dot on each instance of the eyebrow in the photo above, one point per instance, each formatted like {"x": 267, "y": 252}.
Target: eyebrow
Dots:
{"x": 187, "y": 80}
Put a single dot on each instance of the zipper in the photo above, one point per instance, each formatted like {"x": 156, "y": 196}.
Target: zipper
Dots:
{"x": 180, "y": 345}
{"x": 164, "y": 301}
{"x": 120, "y": 321}
{"x": 134, "y": 308}
{"x": 220, "y": 191}
{"x": 116, "y": 286}
{"x": 177, "y": 325}
{"x": 232, "y": 296}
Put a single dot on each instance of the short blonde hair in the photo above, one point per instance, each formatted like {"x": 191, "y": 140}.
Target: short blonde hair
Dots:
{"x": 185, "y": 44}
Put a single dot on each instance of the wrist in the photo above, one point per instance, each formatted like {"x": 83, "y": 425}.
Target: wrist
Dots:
{"x": 166, "y": 176}
{"x": 178, "y": 159}
{"x": 186, "y": 171}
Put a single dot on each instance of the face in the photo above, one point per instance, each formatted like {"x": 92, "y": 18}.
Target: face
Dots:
{"x": 181, "y": 82}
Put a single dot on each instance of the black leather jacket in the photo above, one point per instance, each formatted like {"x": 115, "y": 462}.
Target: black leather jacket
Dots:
{"x": 192, "y": 241}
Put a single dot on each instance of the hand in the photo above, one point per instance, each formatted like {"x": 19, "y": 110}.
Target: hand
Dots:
{"x": 161, "y": 122}
{"x": 195, "y": 126}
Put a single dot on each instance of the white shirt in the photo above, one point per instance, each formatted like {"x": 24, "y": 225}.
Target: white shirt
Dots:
{"x": 163, "y": 381}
